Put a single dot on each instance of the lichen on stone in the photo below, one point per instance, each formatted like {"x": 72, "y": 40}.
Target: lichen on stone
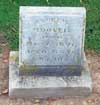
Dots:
{"x": 25, "y": 67}
{"x": 13, "y": 58}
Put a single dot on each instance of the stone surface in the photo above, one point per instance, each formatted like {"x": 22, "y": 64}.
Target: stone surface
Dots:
{"x": 51, "y": 40}
{"x": 46, "y": 86}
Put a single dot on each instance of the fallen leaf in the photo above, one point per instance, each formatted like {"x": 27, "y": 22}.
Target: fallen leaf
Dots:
{"x": 5, "y": 91}
{"x": 37, "y": 101}
{"x": 5, "y": 60}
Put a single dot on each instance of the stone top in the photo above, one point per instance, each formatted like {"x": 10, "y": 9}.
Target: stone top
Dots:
{"x": 51, "y": 36}
{"x": 30, "y": 10}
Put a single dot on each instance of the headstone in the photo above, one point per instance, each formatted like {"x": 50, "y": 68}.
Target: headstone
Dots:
{"x": 51, "y": 51}
{"x": 51, "y": 40}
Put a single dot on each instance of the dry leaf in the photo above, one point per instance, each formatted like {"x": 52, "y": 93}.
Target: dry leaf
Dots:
{"x": 5, "y": 91}
{"x": 5, "y": 60}
{"x": 36, "y": 102}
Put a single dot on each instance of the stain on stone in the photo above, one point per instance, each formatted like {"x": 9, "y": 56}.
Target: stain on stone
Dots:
{"x": 13, "y": 58}
{"x": 25, "y": 67}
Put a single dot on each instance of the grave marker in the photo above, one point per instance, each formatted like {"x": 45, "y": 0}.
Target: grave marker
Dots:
{"x": 51, "y": 49}
{"x": 51, "y": 40}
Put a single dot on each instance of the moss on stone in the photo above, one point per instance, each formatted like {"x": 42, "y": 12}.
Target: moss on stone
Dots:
{"x": 13, "y": 58}
{"x": 25, "y": 67}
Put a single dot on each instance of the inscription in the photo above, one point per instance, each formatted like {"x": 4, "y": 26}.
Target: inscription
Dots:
{"x": 51, "y": 40}
{"x": 60, "y": 30}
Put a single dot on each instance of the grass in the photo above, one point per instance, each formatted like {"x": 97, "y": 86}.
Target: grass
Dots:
{"x": 9, "y": 19}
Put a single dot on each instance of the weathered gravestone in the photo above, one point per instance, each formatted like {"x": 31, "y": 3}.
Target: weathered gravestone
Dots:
{"x": 51, "y": 40}
{"x": 51, "y": 52}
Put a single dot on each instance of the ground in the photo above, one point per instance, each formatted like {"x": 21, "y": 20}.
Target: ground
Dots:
{"x": 93, "y": 99}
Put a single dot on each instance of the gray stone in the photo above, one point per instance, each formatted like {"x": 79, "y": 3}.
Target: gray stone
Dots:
{"x": 47, "y": 86}
{"x": 51, "y": 40}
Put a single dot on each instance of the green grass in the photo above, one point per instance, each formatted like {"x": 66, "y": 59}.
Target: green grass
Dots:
{"x": 9, "y": 19}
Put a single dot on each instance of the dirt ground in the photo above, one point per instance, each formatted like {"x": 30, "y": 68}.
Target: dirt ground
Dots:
{"x": 93, "y": 99}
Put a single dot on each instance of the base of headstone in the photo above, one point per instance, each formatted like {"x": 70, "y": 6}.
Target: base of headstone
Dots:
{"x": 47, "y": 86}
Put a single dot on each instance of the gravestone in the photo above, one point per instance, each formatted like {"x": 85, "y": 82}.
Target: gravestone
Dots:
{"x": 51, "y": 40}
{"x": 51, "y": 61}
